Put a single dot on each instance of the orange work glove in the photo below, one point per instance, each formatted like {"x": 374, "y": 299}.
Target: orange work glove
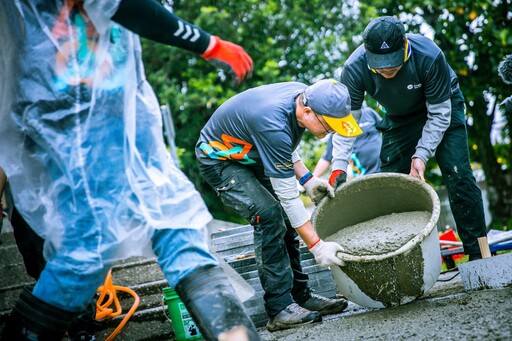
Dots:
{"x": 337, "y": 178}
{"x": 231, "y": 58}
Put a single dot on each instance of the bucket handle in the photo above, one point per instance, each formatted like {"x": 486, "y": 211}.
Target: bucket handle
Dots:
{"x": 164, "y": 310}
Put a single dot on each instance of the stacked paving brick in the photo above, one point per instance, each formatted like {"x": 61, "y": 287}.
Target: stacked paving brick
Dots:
{"x": 236, "y": 246}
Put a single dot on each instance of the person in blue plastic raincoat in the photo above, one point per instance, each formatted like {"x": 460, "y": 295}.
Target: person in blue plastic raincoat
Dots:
{"x": 82, "y": 147}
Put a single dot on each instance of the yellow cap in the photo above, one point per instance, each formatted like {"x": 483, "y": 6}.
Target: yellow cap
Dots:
{"x": 346, "y": 126}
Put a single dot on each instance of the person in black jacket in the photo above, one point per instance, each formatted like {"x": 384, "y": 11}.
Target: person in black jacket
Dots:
{"x": 425, "y": 117}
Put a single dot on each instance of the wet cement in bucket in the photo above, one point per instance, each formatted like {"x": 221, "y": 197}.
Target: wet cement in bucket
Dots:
{"x": 378, "y": 280}
{"x": 381, "y": 235}
{"x": 383, "y": 269}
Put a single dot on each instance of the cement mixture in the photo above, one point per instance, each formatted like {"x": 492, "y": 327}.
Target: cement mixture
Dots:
{"x": 381, "y": 235}
{"x": 447, "y": 312}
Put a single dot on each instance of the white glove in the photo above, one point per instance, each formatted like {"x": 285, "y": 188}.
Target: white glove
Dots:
{"x": 317, "y": 189}
{"x": 325, "y": 253}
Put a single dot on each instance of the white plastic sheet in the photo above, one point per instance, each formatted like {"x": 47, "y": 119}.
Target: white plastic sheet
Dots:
{"x": 82, "y": 145}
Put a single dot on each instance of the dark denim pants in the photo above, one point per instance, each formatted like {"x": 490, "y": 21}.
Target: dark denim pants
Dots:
{"x": 399, "y": 140}
{"x": 248, "y": 191}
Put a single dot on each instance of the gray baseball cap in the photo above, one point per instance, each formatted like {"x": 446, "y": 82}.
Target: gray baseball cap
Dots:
{"x": 330, "y": 99}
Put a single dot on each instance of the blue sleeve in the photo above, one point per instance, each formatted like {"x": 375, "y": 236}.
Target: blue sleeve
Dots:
{"x": 375, "y": 116}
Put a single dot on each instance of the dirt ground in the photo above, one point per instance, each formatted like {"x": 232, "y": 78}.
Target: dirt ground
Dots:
{"x": 446, "y": 312}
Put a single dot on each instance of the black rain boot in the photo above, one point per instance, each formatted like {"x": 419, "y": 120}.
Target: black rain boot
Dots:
{"x": 85, "y": 326}
{"x": 213, "y": 304}
{"x": 32, "y": 319}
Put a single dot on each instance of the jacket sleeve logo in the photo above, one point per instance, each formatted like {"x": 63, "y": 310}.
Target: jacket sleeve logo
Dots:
{"x": 231, "y": 148}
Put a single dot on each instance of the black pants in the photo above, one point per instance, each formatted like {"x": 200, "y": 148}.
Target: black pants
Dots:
{"x": 248, "y": 191}
{"x": 29, "y": 244}
{"x": 399, "y": 140}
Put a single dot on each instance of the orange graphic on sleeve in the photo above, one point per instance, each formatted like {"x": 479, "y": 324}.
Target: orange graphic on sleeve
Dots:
{"x": 231, "y": 148}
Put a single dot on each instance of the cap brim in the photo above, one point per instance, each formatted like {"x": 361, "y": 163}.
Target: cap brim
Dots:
{"x": 383, "y": 61}
{"x": 346, "y": 126}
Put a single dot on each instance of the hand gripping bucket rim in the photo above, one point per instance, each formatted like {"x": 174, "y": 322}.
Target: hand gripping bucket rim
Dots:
{"x": 396, "y": 276}
{"x": 436, "y": 211}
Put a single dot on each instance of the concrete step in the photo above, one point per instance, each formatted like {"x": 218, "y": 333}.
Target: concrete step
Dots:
{"x": 142, "y": 275}
{"x": 8, "y": 253}
{"x": 145, "y": 325}
{"x": 13, "y": 273}
{"x": 7, "y": 237}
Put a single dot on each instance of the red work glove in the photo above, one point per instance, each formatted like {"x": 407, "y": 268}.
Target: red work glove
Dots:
{"x": 337, "y": 178}
{"x": 231, "y": 58}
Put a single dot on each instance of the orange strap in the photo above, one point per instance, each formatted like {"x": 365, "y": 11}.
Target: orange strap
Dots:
{"x": 107, "y": 297}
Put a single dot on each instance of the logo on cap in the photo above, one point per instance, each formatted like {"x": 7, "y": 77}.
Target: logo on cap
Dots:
{"x": 384, "y": 42}
{"x": 350, "y": 129}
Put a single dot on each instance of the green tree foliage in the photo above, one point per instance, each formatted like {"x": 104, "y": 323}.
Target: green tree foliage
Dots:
{"x": 288, "y": 41}
{"x": 306, "y": 40}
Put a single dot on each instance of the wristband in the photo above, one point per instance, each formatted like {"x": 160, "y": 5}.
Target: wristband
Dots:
{"x": 314, "y": 244}
{"x": 305, "y": 178}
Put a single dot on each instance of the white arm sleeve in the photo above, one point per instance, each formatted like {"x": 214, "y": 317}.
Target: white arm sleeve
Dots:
{"x": 295, "y": 156}
{"x": 438, "y": 120}
{"x": 342, "y": 147}
{"x": 288, "y": 194}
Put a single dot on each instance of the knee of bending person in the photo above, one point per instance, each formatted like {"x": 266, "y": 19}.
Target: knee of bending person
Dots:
{"x": 76, "y": 270}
